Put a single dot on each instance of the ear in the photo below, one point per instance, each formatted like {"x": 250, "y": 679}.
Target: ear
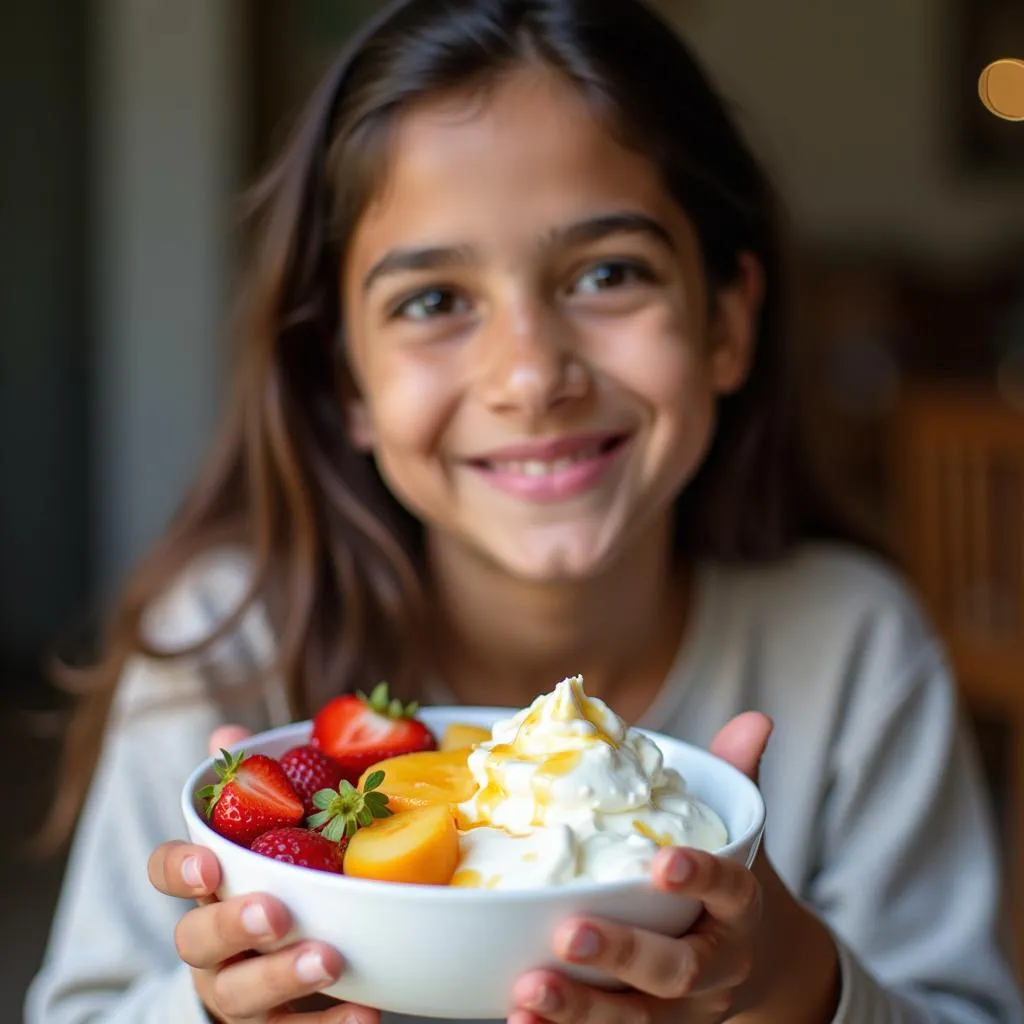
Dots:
{"x": 359, "y": 424}
{"x": 735, "y": 315}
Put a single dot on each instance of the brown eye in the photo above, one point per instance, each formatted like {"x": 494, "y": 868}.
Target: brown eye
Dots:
{"x": 432, "y": 303}
{"x": 609, "y": 275}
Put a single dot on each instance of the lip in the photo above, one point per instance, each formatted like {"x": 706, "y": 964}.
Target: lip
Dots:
{"x": 549, "y": 450}
{"x": 587, "y": 460}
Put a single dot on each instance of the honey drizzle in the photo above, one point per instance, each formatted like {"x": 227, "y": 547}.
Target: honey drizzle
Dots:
{"x": 470, "y": 879}
{"x": 648, "y": 833}
{"x": 578, "y": 706}
{"x": 549, "y": 766}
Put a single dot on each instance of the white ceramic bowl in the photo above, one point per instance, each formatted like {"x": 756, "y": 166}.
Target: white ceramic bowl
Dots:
{"x": 451, "y": 952}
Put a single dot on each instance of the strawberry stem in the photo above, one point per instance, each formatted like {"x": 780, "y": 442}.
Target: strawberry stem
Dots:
{"x": 384, "y": 704}
{"x": 226, "y": 770}
{"x": 343, "y": 812}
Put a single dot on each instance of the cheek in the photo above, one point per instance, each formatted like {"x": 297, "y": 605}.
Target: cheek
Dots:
{"x": 663, "y": 365}
{"x": 410, "y": 404}
{"x": 660, "y": 359}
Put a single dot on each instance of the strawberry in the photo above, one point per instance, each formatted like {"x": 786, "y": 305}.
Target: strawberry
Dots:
{"x": 300, "y": 846}
{"x": 253, "y": 796}
{"x": 310, "y": 770}
{"x": 358, "y": 731}
{"x": 342, "y": 812}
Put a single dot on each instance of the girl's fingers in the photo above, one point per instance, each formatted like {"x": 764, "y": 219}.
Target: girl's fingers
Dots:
{"x": 546, "y": 996}
{"x": 742, "y": 742}
{"x": 209, "y": 935}
{"x": 655, "y": 965}
{"x": 183, "y": 870}
{"x": 254, "y": 987}
{"x": 338, "y": 1014}
{"x": 226, "y": 736}
{"x": 729, "y": 891}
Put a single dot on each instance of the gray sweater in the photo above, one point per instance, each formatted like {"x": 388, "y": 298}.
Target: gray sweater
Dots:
{"x": 876, "y": 813}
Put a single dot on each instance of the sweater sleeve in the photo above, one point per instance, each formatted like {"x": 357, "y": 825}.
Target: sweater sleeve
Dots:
{"x": 111, "y": 956}
{"x": 910, "y": 880}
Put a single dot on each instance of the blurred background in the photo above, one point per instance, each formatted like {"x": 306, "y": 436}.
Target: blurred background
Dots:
{"x": 130, "y": 128}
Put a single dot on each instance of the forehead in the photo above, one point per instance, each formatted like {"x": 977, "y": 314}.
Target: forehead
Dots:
{"x": 527, "y": 152}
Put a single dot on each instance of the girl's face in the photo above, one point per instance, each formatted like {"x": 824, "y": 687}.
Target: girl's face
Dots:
{"x": 531, "y": 334}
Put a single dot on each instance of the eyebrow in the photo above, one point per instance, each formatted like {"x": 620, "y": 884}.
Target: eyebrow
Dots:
{"x": 597, "y": 228}
{"x": 583, "y": 232}
{"x": 400, "y": 261}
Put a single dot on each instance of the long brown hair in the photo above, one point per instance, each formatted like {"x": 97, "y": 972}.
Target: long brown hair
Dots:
{"x": 336, "y": 559}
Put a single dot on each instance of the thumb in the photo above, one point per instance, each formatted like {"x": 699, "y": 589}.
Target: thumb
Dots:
{"x": 743, "y": 740}
{"x": 225, "y": 736}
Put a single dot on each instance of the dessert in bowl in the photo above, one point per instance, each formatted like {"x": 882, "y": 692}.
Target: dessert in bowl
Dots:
{"x": 441, "y": 871}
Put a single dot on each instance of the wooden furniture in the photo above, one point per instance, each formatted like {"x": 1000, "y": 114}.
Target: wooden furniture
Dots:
{"x": 958, "y": 489}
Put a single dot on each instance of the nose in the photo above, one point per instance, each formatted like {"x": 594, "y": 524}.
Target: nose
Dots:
{"x": 528, "y": 362}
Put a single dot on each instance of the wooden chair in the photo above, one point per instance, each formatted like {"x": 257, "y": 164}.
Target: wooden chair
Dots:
{"x": 958, "y": 485}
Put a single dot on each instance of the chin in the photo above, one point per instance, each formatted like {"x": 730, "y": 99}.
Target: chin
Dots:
{"x": 571, "y": 560}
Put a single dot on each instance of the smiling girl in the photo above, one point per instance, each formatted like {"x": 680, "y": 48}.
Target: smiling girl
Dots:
{"x": 513, "y": 403}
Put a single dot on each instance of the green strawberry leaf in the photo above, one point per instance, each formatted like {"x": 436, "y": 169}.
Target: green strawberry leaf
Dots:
{"x": 227, "y": 770}
{"x": 344, "y": 811}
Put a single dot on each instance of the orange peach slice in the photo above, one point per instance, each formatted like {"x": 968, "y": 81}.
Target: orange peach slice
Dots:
{"x": 459, "y": 736}
{"x": 424, "y": 779}
{"x": 420, "y": 847}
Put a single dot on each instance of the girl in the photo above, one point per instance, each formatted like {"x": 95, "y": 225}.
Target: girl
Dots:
{"x": 513, "y": 404}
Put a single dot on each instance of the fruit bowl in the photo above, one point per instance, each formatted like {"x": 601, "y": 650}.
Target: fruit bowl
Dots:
{"x": 455, "y": 953}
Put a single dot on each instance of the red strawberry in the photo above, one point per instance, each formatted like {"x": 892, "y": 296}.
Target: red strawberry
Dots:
{"x": 253, "y": 796}
{"x": 302, "y": 847}
{"x": 309, "y": 770}
{"x": 358, "y": 731}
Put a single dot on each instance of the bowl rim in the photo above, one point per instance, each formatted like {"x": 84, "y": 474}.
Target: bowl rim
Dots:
{"x": 749, "y": 838}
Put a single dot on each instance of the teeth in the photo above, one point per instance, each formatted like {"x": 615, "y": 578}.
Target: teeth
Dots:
{"x": 537, "y": 467}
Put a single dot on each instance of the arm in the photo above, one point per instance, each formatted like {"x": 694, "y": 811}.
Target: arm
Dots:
{"x": 111, "y": 956}
{"x": 909, "y": 883}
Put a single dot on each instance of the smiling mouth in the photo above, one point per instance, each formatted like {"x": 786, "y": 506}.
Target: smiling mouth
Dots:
{"x": 537, "y": 468}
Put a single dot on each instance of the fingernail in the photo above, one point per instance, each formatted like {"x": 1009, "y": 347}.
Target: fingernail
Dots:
{"x": 310, "y": 968}
{"x": 351, "y": 1016}
{"x": 192, "y": 872}
{"x": 584, "y": 944}
{"x": 546, "y": 1000}
{"x": 255, "y": 920}
{"x": 679, "y": 869}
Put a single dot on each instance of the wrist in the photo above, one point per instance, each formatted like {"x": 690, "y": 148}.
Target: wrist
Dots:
{"x": 797, "y": 979}
{"x": 814, "y": 974}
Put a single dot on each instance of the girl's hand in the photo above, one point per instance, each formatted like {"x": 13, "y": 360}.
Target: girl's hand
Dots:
{"x": 725, "y": 964}
{"x": 223, "y": 944}
{"x": 692, "y": 980}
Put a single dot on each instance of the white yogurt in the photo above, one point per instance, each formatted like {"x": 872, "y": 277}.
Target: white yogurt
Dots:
{"x": 568, "y": 791}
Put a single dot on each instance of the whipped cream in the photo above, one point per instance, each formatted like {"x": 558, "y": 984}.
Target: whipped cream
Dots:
{"x": 567, "y": 790}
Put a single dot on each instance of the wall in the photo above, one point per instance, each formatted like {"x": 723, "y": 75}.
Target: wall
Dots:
{"x": 44, "y": 335}
{"x": 847, "y": 101}
{"x": 168, "y": 120}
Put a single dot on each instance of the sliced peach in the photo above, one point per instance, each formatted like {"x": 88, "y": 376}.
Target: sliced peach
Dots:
{"x": 458, "y": 735}
{"x": 420, "y": 847}
{"x": 424, "y": 779}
